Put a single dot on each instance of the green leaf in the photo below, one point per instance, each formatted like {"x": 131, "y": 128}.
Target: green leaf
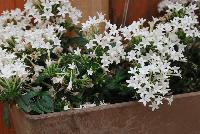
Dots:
{"x": 36, "y": 103}
{"x": 136, "y": 40}
{"x": 36, "y": 109}
{"x": 25, "y": 106}
{"x": 25, "y": 100}
{"x": 27, "y": 97}
{"x": 114, "y": 83}
{"x": 45, "y": 103}
{"x": 78, "y": 41}
{"x": 6, "y": 116}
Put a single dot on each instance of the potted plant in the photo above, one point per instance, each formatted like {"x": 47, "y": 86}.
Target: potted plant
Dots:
{"x": 60, "y": 78}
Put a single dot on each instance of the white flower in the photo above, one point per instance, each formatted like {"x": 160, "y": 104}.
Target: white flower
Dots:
{"x": 90, "y": 72}
{"x": 66, "y": 108}
{"x": 62, "y": 11}
{"x": 93, "y": 22}
{"x": 88, "y": 105}
{"x": 57, "y": 41}
{"x": 48, "y": 13}
{"x": 49, "y": 62}
{"x": 102, "y": 103}
{"x": 154, "y": 106}
{"x": 77, "y": 51}
{"x": 38, "y": 68}
{"x": 7, "y": 72}
{"x": 72, "y": 66}
{"x": 145, "y": 99}
{"x": 37, "y": 89}
{"x": 28, "y": 4}
{"x": 47, "y": 4}
{"x": 131, "y": 55}
{"x": 75, "y": 15}
{"x": 170, "y": 100}
{"x": 105, "y": 60}
{"x": 57, "y": 80}
{"x": 63, "y": 98}
{"x": 90, "y": 45}
{"x": 70, "y": 84}
{"x": 56, "y": 1}
{"x": 132, "y": 71}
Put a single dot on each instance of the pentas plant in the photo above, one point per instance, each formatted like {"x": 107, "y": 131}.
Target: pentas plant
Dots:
{"x": 50, "y": 62}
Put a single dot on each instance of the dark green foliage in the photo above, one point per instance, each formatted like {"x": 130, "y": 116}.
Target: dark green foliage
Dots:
{"x": 78, "y": 41}
{"x": 109, "y": 89}
{"x": 116, "y": 89}
{"x": 190, "y": 80}
{"x": 180, "y": 13}
{"x": 58, "y": 105}
{"x": 136, "y": 40}
{"x": 184, "y": 39}
{"x": 36, "y": 102}
{"x": 6, "y": 116}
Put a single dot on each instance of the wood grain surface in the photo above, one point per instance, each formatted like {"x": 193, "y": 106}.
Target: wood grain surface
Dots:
{"x": 11, "y": 4}
{"x": 136, "y": 9}
{"x": 91, "y": 7}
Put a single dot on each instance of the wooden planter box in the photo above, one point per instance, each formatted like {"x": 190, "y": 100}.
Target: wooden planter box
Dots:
{"x": 183, "y": 117}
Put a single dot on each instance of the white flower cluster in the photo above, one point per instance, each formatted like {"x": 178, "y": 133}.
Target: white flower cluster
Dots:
{"x": 93, "y": 22}
{"x": 44, "y": 38}
{"x": 11, "y": 66}
{"x": 158, "y": 46}
{"x": 36, "y": 28}
{"x": 11, "y": 25}
{"x": 188, "y": 22}
{"x": 44, "y": 10}
{"x": 155, "y": 53}
{"x": 110, "y": 41}
{"x": 166, "y": 3}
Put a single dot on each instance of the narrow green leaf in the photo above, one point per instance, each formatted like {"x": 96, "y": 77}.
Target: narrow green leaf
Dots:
{"x": 6, "y": 116}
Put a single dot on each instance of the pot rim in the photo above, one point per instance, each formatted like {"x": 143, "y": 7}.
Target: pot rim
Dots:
{"x": 98, "y": 108}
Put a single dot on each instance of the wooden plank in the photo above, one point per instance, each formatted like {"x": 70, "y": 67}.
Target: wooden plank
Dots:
{"x": 136, "y": 9}
{"x": 91, "y": 7}
{"x": 6, "y": 5}
{"x": 19, "y": 3}
{"x": 116, "y": 11}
